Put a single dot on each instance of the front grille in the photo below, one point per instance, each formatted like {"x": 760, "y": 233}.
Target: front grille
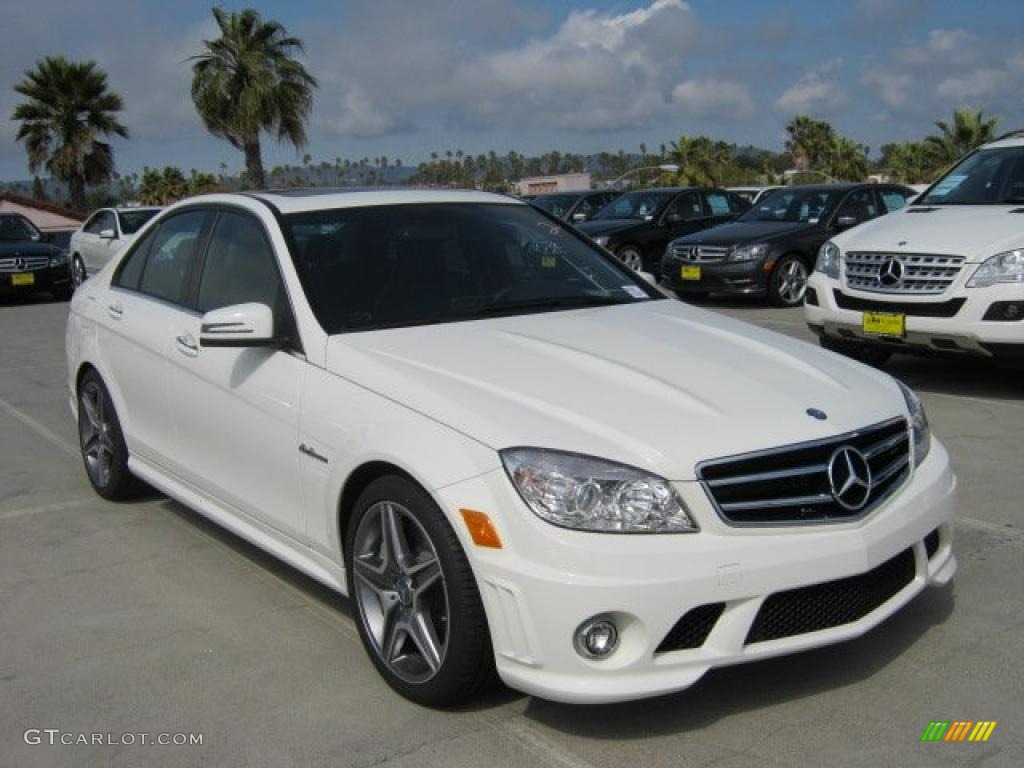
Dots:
{"x": 791, "y": 485}
{"x": 692, "y": 629}
{"x": 698, "y": 254}
{"x": 832, "y": 604}
{"x": 911, "y": 309}
{"x": 918, "y": 273}
{"x": 28, "y": 263}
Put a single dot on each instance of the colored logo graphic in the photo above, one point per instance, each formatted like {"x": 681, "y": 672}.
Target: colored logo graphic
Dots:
{"x": 958, "y": 730}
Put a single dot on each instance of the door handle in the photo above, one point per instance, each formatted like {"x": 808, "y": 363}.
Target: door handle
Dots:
{"x": 187, "y": 345}
{"x": 115, "y": 311}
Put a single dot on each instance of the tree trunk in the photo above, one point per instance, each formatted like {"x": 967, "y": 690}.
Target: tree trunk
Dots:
{"x": 254, "y": 163}
{"x": 76, "y": 186}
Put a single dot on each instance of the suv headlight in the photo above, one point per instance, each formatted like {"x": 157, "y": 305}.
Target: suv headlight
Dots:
{"x": 1005, "y": 267}
{"x": 591, "y": 494}
{"x": 921, "y": 434}
{"x": 749, "y": 252}
{"x": 828, "y": 260}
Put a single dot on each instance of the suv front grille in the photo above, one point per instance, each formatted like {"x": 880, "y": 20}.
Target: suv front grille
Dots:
{"x": 792, "y": 486}
{"x": 914, "y": 273}
{"x": 910, "y": 308}
{"x": 832, "y": 604}
{"x": 698, "y": 254}
{"x": 27, "y": 263}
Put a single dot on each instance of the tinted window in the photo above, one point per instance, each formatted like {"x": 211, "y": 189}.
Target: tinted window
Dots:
{"x": 239, "y": 266}
{"x": 796, "y": 205}
{"x": 557, "y": 205}
{"x": 738, "y": 204}
{"x": 131, "y": 221}
{"x": 130, "y": 270}
{"x": 718, "y": 202}
{"x": 16, "y": 229}
{"x": 171, "y": 255}
{"x": 860, "y": 206}
{"x": 894, "y": 199}
{"x": 635, "y": 205}
{"x": 92, "y": 226}
{"x": 377, "y": 267}
{"x": 686, "y": 206}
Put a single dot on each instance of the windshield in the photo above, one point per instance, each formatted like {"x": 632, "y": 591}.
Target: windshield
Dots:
{"x": 635, "y": 205}
{"x": 377, "y": 267}
{"x": 14, "y": 229}
{"x": 795, "y": 206}
{"x": 986, "y": 177}
{"x": 558, "y": 205}
{"x": 132, "y": 220}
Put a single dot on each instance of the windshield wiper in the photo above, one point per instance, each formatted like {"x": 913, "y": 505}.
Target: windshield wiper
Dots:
{"x": 555, "y": 302}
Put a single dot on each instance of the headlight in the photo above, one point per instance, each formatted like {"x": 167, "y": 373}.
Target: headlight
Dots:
{"x": 749, "y": 252}
{"x": 828, "y": 260}
{"x": 602, "y": 240}
{"x": 1002, "y": 268}
{"x": 920, "y": 432}
{"x": 590, "y": 494}
{"x": 59, "y": 260}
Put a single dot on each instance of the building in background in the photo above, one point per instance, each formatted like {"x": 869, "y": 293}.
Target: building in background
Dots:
{"x": 561, "y": 182}
{"x": 54, "y": 220}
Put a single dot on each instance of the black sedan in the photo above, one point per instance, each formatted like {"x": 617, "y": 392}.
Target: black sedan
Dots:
{"x": 574, "y": 206}
{"x": 770, "y": 250}
{"x": 30, "y": 264}
{"x": 637, "y": 226}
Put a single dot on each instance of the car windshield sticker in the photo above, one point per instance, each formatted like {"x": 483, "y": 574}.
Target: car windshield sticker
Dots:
{"x": 635, "y": 291}
{"x": 948, "y": 184}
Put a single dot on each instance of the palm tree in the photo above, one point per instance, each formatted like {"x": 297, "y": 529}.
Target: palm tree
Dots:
{"x": 849, "y": 160}
{"x": 810, "y": 142}
{"x": 68, "y": 110}
{"x": 969, "y": 130}
{"x": 247, "y": 82}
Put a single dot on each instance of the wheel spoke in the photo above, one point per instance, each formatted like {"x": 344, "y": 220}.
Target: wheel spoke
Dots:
{"x": 421, "y": 631}
{"x": 374, "y": 577}
{"x": 91, "y": 414}
{"x": 91, "y": 446}
{"x": 393, "y": 633}
{"x": 425, "y": 575}
{"x": 395, "y": 538}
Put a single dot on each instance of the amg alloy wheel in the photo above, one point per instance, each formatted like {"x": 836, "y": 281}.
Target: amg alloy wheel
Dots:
{"x": 103, "y": 447}
{"x": 788, "y": 282}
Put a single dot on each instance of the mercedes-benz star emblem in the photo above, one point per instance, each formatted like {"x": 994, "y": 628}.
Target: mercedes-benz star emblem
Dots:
{"x": 849, "y": 477}
{"x": 891, "y": 272}
{"x": 19, "y": 264}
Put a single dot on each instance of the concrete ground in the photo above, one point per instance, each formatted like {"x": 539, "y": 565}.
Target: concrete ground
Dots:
{"x": 144, "y": 618}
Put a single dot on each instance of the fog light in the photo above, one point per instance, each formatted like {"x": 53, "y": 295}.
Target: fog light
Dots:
{"x": 596, "y": 638}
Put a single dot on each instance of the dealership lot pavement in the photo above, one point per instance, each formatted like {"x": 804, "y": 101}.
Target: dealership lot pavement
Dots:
{"x": 144, "y": 618}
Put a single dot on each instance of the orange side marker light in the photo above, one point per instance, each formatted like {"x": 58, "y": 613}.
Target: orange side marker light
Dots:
{"x": 481, "y": 529}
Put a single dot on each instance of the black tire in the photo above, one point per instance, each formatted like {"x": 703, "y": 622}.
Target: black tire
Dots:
{"x": 466, "y": 665}
{"x": 781, "y": 292}
{"x": 109, "y": 450}
{"x": 869, "y": 354}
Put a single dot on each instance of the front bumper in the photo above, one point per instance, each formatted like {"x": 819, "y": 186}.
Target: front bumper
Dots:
{"x": 730, "y": 277}
{"x": 546, "y": 581}
{"x": 964, "y": 332}
{"x": 44, "y": 280}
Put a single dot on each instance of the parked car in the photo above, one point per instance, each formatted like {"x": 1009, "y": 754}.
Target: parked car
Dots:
{"x": 770, "y": 249}
{"x": 415, "y": 397}
{"x": 944, "y": 275}
{"x": 576, "y": 207}
{"x": 753, "y": 195}
{"x": 106, "y": 232}
{"x": 29, "y": 263}
{"x": 637, "y": 226}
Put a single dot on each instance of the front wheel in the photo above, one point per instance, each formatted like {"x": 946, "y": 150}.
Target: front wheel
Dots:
{"x": 788, "y": 282}
{"x": 421, "y": 618}
{"x": 631, "y": 257}
{"x": 78, "y": 274}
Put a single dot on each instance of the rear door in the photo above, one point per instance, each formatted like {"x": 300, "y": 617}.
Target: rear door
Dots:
{"x": 137, "y": 320}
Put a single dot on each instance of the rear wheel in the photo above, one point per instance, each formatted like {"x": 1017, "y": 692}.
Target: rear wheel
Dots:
{"x": 630, "y": 256}
{"x": 788, "y": 282}
{"x": 421, "y": 618}
{"x": 104, "y": 451}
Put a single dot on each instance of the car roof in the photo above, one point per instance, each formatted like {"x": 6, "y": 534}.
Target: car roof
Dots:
{"x": 1012, "y": 139}
{"x": 127, "y": 208}
{"x": 299, "y": 200}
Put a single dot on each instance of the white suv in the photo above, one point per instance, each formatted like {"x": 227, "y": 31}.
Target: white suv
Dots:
{"x": 945, "y": 274}
{"x": 510, "y": 450}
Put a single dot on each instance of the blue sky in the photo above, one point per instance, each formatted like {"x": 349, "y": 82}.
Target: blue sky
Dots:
{"x": 403, "y": 78}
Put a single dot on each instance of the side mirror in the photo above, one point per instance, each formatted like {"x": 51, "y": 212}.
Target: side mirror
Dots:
{"x": 845, "y": 222}
{"x": 108, "y": 234}
{"x": 241, "y": 325}
{"x": 579, "y": 216}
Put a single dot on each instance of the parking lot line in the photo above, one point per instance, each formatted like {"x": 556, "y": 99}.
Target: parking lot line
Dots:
{"x": 57, "y": 507}
{"x": 45, "y": 432}
{"x": 550, "y": 752}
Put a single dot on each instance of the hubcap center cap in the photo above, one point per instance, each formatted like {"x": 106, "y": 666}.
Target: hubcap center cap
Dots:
{"x": 404, "y": 587}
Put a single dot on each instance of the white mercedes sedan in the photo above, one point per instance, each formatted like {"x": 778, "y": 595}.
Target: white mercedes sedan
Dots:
{"x": 516, "y": 456}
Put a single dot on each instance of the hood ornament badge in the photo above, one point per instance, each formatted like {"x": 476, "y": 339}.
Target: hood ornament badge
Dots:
{"x": 816, "y": 413}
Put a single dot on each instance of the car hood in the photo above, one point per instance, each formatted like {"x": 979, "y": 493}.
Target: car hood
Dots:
{"x": 609, "y": 226}
{"x": 659, "y": 385}
{"x": 744, "y": 232}
{"x": 27, "y": 248}
{"x": 974, "y": 231}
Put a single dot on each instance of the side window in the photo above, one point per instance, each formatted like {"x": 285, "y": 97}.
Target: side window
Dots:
{"x": 738, "y": 204}
{"x": 106, "y": 221}
{"x": 860, "y": 205}
{"x": 686, "y": 207}
{"x": 718, "y": 203}
{"x": 239, "y": 266}
{"x": 130, "y": 269}
{"x": 170, "y": 256}
{"x": 894, "y": 199}
{"x": 93, "y": 225}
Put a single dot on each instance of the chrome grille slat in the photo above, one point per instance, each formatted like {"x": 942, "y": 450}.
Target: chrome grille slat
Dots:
{"x": 924, "y": 274}
{"x": 698, "y": 254}
{"x": 790, "y": 485}
{"x": 30, "y": 263}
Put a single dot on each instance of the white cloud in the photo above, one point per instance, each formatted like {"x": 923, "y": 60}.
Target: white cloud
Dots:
{"x": 816, "y": 92}
{"x": 893, "y": 88}
{"x": 713, "y": 98}
{"x": 357, "y": 115}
